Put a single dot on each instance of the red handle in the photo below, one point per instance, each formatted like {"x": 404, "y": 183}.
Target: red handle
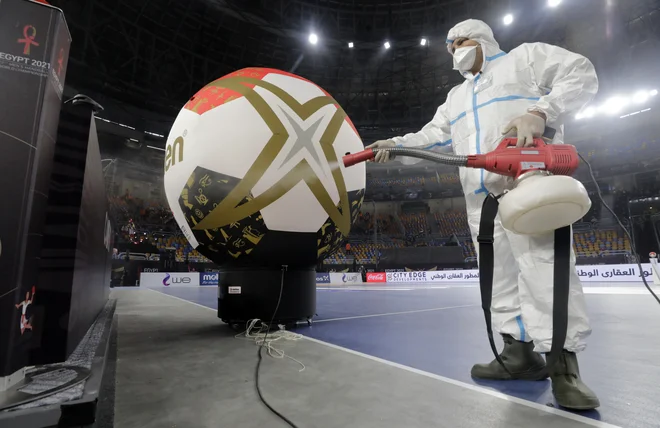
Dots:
{"x": 355, "y": 158}
{"x": 512, "y": 141}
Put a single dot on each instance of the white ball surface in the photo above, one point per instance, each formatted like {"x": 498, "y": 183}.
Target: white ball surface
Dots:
{"x": 279, "y": 139}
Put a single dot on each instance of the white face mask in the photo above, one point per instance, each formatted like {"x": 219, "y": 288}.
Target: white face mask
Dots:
{"x": 464, "y": 58}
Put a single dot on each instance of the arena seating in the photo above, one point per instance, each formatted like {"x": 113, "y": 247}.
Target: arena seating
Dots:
{"x": 468, "y": 249}
{"x": 627, "y": 150}
{"x": 152, "y": 215}
{"x": 363, "y": 225}
{"x": 181, "y": 246}
{"x": 452, "y": 222}
{"x": 363, "y": 252}
{"x": 153, "y": 222}
{"x": 594, "y": 243}
{"x": 446, "y": 179}
{"x": 399, "y": 181}
{"x": 387, "y": 224}
{"x": 414, "y": 223}
{"x": 381, "y": 182}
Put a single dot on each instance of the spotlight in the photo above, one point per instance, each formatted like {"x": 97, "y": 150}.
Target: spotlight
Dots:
{"x": 313, "y": 38}
{"x": 508, "y": 19}
{"x": 641, "y": 96}
{"x": 387, "y": 45}
{"x": 614, "y": 105}
{"x": 653, "y": 93}
{"x": 589, "y": 112}
{"x": 350, "y": 45}
{"x": 422, "y": 42}
{"x": 553, "y": 3}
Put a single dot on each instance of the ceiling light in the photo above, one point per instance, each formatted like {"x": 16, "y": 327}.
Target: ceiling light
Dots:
{"x": 387, "y": 45}
{"x": 553, "y": 3}
{"x": 508, "y": 19}
{"x": 350, "y": 45}
{"x": 422, "y": 42}
{"x": 614, "y": 105}
{"x": 313, "y": 38}
{"x": 640, "y": 96}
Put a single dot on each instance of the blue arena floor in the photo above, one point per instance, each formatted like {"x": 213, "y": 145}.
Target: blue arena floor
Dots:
{"x": 441, "y": 330}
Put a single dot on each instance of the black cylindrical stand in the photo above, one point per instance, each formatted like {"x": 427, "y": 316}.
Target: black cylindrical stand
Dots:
{"x": 253, "y": 293}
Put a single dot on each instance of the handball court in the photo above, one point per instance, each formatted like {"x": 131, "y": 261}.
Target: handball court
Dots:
{"x": 395, "y": 355}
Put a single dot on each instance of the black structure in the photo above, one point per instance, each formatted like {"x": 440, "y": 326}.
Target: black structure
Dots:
{"x": 251, "y": 293}
{"x": 34, "y": 47}
{"x": 386, "y": 92}
{"x": 74, "y": 315}
{"x": 77, "y": 243}
{"x": 421, "y": 258}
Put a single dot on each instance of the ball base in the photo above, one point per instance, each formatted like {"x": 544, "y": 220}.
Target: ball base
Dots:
{"x": 246, "y": 294}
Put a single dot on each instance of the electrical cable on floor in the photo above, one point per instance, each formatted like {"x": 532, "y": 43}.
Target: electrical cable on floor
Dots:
{"x": 265, "y": 341}
{"x": 632, "y": 245}
{"x": 258, "y": 336}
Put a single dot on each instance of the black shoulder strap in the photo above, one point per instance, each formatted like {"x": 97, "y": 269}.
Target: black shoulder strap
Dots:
{"x": 487, "y": 264}
{"x": 561, "y": 285}
{"x": 561, "y": 278}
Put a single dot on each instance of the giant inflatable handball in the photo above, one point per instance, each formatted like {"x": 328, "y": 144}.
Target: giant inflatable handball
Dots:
{"x": 256, "y": 152}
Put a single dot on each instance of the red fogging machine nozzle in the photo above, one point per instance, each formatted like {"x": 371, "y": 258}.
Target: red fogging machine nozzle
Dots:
{"x": 354, "y": 158}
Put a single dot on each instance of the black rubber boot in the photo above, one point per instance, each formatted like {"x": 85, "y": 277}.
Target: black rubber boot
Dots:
{"x": 567, "y": 386}
{"x": 519, "y": 358}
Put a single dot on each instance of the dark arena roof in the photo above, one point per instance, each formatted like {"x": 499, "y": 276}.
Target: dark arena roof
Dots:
{"x": 150, "y": 56}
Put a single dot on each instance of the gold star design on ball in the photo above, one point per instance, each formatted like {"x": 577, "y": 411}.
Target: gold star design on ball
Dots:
{"x": 229, "y": 210}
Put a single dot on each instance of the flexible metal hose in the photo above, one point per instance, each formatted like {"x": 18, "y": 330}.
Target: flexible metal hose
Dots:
{"x": 442, "y": 158}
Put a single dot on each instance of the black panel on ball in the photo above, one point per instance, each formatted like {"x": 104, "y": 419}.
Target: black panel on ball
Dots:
{"x": 252, "y": 256}
{"x": 248, "y": 241}
{"x": 247, "y": 294}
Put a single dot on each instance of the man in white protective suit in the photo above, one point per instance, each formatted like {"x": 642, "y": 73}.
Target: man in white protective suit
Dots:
{"x": 516, "y": 93}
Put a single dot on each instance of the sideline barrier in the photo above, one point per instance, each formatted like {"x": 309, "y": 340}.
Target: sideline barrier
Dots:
{"x": 587, "y": 273}
{"x": 196, "y": 279}
{"x": 614, "y": 273}
{"x": 656, "y": 270}
{"x": 178, "y": 279}
{"x": 209, "y": 278}
{"x": 345, "y": 278}
{"x": 376, "y": 277}
{"x": 338, "y": 278}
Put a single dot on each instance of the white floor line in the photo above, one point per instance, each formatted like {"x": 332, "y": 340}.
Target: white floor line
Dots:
{"x": 474, "y": 388}
{"x": 630, "y": 291}
{"x": 179, "y": 298}
{"x": 363, "y": 289}
{"x": 416, "y": 311}
{"x": 398, "y": 286}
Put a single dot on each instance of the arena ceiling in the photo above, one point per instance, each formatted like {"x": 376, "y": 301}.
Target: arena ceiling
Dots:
{"x": 155, "y": 54}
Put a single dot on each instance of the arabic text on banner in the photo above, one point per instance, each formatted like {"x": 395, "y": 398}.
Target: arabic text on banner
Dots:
{"x": 613, "y": 273}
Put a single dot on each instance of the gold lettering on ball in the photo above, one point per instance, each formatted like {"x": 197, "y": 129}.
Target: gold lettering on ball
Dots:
{"x": 171, "y": 153}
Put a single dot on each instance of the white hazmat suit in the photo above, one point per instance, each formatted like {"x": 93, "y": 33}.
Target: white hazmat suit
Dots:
{"x": 532, "y": 77}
